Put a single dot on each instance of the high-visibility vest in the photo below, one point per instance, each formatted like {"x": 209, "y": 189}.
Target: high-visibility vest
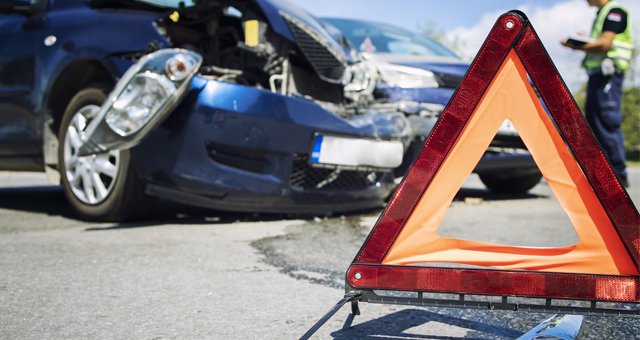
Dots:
{"x": 622, "y": 46}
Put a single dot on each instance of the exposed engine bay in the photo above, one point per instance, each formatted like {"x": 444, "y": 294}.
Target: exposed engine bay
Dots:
{"x": 239, "y": 46}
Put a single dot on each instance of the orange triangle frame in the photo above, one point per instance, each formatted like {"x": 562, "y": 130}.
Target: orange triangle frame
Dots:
{"x": 603, "y": 265}
{"x": 510, "y": 96}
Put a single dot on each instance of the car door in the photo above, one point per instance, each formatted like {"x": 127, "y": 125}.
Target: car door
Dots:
{"x": 20, "y": 127}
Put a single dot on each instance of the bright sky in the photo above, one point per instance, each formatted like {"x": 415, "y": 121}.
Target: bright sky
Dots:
{"x": 471, "y": 20}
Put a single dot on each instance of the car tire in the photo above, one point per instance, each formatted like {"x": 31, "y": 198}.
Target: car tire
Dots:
{"x": 102, "y": 187}
{"x": 510, "y": 181}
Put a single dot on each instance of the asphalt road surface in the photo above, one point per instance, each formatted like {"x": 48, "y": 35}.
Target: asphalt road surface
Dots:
{"x": 190, "y": 273}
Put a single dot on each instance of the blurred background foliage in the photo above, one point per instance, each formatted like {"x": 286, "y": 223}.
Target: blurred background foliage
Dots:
{"x": 456, "y": 44}
{"x": 631, "y": 121}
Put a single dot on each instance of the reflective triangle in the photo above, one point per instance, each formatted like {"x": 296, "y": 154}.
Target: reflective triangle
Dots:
{"x": 603, "y": 265}
{"x": 510, "y": 96}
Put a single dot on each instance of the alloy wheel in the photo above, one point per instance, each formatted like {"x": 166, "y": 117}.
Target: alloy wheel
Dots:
{"x": 91, "y": 178}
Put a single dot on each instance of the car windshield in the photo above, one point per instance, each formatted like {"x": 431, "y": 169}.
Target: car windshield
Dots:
{"x": 374, "y": 37}
{"x": 169, "y": 3}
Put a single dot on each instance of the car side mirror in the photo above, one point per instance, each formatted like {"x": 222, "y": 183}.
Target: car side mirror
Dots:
{"x": 26, "y": 7}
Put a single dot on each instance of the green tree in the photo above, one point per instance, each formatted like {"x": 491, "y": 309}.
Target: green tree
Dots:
{"x": 631, "y": 106}
{"x": 456, "y": 44}
{"x": 581, "y": 97}
{"x": 631, "y": 120}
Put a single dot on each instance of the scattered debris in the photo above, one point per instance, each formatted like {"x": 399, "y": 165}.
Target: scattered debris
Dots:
{"x": 473, "y": 200}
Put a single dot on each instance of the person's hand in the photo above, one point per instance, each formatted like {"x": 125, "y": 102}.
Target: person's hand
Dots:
{"x": 571, "y": 45}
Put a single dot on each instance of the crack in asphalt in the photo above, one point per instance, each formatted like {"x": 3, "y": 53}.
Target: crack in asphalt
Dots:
{"x": 335, "y": 243}
{"x": 321, "y": 250}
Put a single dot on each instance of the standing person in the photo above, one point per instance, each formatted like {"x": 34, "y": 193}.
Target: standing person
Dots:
{"x": 608, "y": 56}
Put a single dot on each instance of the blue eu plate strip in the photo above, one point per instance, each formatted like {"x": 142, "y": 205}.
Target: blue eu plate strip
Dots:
{"x": 315, "y": 154}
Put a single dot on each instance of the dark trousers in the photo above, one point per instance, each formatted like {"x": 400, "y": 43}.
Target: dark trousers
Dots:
{"x": 604, "y": 97}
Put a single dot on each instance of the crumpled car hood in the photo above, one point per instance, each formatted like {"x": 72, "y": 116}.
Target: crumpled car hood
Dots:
{"x": 435, "y": 64}
{"x": 272, "y": 9}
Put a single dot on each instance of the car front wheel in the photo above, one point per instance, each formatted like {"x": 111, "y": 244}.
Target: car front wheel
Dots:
{"x": 101, "y": 187}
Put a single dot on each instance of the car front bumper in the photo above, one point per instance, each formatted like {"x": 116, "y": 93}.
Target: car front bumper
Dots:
{"x": 239, "y": 148}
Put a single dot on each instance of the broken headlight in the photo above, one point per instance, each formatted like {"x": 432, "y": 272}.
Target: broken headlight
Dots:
{"x": 141, "y": 100}
{"x": 406, "y": 77}
{"x": 144, "y": 95}
{"x": 360, "y": 79}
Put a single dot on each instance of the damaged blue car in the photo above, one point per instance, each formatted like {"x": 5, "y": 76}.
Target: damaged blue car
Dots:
{"x": 247, "y": 105}
{"x": 419, "y": 76}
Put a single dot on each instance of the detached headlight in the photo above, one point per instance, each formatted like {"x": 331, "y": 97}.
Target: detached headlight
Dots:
{"x": 143, "y": 96}
{"x": 159, "y": 77}
{"x": 141, "y": 100}
{"x": 407, "y": 77}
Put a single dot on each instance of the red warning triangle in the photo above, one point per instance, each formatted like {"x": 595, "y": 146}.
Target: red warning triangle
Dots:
{"x": 604, "y": 265}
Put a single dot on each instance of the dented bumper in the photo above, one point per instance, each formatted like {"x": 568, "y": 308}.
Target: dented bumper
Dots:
{"x": 240, "y": 148}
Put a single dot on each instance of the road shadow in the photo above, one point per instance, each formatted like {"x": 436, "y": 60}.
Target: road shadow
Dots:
{"x": 488, "y": 195}
{"x": 51, "y": 200}
{"x": 168, "y": 212}
{"x": 399, "y": 325}
{"x": 44, "y": 199}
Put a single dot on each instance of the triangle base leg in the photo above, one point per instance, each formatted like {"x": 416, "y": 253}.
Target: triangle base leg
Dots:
{"x": 349, "y": 297}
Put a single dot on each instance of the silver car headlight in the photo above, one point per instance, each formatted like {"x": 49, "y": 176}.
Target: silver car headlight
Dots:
{"x": 150, "y": 86}
{"x": 406, "y": 77}
{"x": 362, "y": 76}
{"x": 143, "y": 97}
{"x": 141, "y": 100}
{"x": 360, "y": 80}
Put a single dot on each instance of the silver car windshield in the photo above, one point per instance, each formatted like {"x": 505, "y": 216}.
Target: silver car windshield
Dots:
{"x": 380, "y": 38}
{"x": 169, "y": 3}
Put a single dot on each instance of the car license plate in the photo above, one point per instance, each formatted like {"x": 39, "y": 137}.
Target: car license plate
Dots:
{"x": 507, "y": 128}
{"x": 355, "y": 153}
